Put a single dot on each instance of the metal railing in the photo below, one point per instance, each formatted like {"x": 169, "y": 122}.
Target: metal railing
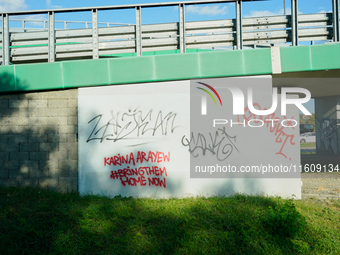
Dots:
{"x": 54, "y": 44}
{"x": 44, "y": 24}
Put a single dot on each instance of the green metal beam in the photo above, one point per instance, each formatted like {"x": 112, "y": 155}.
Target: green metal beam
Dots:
{"x": 310, "y": 58}
{"x": 164, "y": 67}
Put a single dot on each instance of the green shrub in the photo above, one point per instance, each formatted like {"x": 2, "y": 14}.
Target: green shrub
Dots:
{"x": 284, "y": 220}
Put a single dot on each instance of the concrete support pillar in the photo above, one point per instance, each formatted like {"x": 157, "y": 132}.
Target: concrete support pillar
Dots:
{"x": 327, "y": 125}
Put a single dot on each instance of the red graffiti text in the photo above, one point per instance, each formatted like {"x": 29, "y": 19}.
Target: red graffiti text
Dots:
{"x": 138, "y": 157}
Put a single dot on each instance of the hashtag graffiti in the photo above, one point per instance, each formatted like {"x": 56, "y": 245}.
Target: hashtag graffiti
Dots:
{"x": 114, "y": 175}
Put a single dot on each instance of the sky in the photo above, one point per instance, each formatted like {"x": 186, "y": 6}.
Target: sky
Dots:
{"x": 158, "y": 15}
{"x": 162, "y": 15}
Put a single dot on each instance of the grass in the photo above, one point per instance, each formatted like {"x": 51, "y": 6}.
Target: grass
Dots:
{"x": 304, "y": 145}
{"x": 36, "y": 221}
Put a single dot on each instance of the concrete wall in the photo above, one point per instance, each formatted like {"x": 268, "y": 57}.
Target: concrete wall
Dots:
{"x": 38, "y": 140}
{"x": 127, "y": 133}
{"x": 39, "y": 144}
{"x": 327, "y": 125}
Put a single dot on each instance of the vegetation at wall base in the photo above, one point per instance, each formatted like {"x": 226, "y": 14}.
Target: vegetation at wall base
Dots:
{"x": 37, "y": 221}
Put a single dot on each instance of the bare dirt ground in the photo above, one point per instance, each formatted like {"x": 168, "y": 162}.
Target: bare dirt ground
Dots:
{"x": 323, "y": 185}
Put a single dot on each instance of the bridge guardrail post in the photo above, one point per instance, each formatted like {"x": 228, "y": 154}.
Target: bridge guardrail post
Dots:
{"x": 295, "y": 23}
{"x": 95, "y": 40}
{"x": 239, "y": 39}
{"x": 182, "y": 28}
{"x": 138, "y": 30}
{"x": 5, "y": 39}
{"x": 51, "y": 37}
{"x": 336, "y": 21}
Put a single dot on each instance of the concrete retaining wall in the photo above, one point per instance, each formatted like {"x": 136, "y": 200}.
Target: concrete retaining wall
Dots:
{"x": 38, "y": 140}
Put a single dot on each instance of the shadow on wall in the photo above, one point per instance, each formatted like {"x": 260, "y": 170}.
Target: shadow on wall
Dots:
{"x": 30, "y": 137}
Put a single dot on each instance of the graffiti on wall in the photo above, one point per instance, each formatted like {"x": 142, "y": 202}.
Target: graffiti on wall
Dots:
{"x": 137, "y": 140}
{"x": 274, "y": 126}
{"x": 131, "y": 124}
{"x": 219, "y": 143}
{"x": 222, "y": 145}
{"x": 128, "y": 169}
{"x": 135, "y": 174}
{"x": 327, "y": 135}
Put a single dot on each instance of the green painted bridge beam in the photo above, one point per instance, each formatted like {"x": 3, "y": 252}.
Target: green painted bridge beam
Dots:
{"x": 153, "y": 68}
{"x": 310, "y": 58}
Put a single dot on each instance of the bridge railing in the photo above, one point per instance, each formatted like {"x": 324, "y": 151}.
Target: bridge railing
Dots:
{"x": 42, "y": 24}
{"x": 55, "y": 45}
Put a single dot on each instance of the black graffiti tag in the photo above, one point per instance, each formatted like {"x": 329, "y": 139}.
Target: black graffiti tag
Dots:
{"x": 131, "y": 124}
{"x": 219, "y": 143}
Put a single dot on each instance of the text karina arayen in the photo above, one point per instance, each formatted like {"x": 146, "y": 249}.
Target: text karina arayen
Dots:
{"x": 138, "y": 157}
